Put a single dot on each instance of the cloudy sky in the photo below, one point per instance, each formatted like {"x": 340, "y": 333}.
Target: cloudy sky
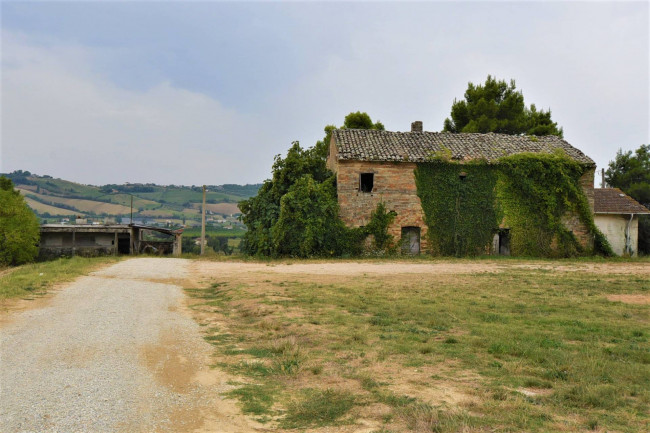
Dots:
{"x": 208, "y": 92}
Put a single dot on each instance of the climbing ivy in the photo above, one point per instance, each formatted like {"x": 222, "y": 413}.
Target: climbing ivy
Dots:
{"x": 464, "y": 203}
{"x": 535, "y": 191}
{"x": 459, "y": 203}
{"x": 380, "y": 219}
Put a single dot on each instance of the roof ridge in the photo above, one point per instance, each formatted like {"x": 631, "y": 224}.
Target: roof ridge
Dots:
{"x": 396, "y": 146}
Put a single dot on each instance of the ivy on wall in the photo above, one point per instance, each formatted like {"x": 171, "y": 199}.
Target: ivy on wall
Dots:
{"x": 377, "y": 227}
{"x": 459, "y": 203}
{"x": 529, "y": 192}
{"x": 535, "y": 192}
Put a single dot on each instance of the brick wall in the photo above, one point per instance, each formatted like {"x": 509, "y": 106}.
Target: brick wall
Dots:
{"x": 571, "y": 220}
{"x": 393, "y": 183}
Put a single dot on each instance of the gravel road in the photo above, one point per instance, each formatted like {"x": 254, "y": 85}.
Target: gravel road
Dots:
{"x": 114, "y": 351}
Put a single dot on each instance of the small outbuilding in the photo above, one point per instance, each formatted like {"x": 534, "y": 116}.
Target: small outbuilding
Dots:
{"x": 59, "y": 240}
{"x": 617, "y": 216}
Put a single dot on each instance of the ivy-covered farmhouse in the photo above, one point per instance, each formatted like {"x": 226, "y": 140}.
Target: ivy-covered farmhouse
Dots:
{"x": 461, "y": 193}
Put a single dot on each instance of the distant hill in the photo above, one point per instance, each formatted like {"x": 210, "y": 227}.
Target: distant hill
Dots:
{"x": 54, "y": 199}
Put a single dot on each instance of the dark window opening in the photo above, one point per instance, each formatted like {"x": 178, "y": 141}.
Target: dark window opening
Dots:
{"x": 504, "y": 242}
{"x": 366, "y": 181}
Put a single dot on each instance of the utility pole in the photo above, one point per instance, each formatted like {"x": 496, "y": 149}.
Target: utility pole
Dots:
{"x": 203, "y": 223}
{"x": 131, "y": 210}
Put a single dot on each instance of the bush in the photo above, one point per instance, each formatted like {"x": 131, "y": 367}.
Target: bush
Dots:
{"x": 19, "y": 228}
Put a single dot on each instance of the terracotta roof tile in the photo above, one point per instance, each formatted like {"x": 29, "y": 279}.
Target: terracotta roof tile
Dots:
{"x": 372, "y": 145}
{"x": 613, "y": 200}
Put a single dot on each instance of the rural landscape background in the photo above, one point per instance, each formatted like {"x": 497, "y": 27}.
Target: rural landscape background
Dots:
{"x": 451, "y": 278}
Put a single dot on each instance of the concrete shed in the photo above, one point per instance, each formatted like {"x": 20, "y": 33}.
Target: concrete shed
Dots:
{"x": 93, "y": 240}
{"x": 617, "y": 216}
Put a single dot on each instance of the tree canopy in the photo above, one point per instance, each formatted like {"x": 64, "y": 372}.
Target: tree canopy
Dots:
{"x": 497, "y": 106}
{"x": 361, "y": 120}
{"x": 630, "y": 171}
{"x": 19, "y": 228}
{"x": 296, "y": 212}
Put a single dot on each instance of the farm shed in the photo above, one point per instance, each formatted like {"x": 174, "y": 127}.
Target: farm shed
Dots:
{"x": 375, "y": 166}
{"x": 92, "y": 240}
{"x": 617, "y": 216}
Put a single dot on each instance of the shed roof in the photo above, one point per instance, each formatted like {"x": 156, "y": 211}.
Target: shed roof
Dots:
{"x": 615, "y": 201}
{"x": 373, "y": 145}
{"x": 107, "y": 228}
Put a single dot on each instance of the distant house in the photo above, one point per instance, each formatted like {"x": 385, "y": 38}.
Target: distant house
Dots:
{"x": 374, "y": 166}
{"x": 617, "y": 216}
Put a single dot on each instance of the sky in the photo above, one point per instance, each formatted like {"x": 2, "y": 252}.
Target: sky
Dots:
{"x": 192, "y": 93}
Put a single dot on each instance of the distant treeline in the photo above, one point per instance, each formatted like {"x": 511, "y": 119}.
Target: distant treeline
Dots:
{"x": 129, "y": 188}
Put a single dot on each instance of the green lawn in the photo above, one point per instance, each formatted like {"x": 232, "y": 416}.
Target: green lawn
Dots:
{"x": 520, "y": 350}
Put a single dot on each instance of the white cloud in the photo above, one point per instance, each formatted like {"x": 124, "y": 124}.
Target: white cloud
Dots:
{"x": 62, "y": 119}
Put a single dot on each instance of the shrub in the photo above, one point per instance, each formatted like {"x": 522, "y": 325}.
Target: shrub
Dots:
{"x": 19, "y": 228}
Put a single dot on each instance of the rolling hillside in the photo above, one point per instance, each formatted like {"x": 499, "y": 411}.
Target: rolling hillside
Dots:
{"x": 51, "y": 199}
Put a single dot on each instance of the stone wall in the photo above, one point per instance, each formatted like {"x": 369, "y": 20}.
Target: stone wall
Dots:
{"x": 393, "y": 183}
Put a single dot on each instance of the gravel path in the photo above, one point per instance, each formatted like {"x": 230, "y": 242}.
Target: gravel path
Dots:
{"x": 113, "y": 352}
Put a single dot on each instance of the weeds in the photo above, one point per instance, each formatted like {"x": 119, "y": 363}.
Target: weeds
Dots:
{"x": 317, "y": 408}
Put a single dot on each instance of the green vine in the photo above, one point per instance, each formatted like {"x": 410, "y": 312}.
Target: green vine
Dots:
{"x": 536, "y": 191}
{"x": 380, "y": 219}
{"x": 459, "y": 203}
{"x": 528, "y": 193}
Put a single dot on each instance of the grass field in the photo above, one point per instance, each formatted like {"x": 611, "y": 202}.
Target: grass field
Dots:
{"x": 34, "y": 279}
{"x": 505, "y": 345}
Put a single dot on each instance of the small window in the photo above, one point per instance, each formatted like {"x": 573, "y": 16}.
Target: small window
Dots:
{"x": 366, "y": 182}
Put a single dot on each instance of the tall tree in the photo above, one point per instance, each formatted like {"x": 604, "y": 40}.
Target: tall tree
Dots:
{"x": 295, "y": 213}
{"x": 497, "y": 106}
{"x": 361, "y": 120}
{"x": 19, "y": 228}
{"x": 631, "y": 173}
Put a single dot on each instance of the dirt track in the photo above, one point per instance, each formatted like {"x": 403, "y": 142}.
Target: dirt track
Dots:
{"x": 350, "y": 268}
{"x": 113, "y": 352}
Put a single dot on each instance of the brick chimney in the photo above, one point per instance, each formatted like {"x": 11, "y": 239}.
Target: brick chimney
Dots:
{"x": 416, "y": 126}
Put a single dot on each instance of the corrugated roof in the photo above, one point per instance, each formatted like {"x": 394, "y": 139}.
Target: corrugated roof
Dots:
{"x": 372, "y": 145}
{"x": 613, "y": 200}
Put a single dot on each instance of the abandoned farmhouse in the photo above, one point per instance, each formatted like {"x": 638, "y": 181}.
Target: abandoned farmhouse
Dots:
{"x": 374, "y": 166}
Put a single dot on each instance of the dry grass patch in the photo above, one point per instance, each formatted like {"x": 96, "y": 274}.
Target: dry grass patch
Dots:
{"x": 521, "y": 349}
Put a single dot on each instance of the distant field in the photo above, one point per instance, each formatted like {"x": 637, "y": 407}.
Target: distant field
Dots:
{"x": 220, "y": 208}
{"x": 213, "y": 231}
{"x": 42, "y": 208}
{"x": 433, "y": 345}
{"x": 125, "y": 200}
{"x": 180, "y": 196}
{"x": 64, "y": 187}
{"x": 89, "y": 206}
{"x": 182, "y": 203}
{"x": 158, "y": 213}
